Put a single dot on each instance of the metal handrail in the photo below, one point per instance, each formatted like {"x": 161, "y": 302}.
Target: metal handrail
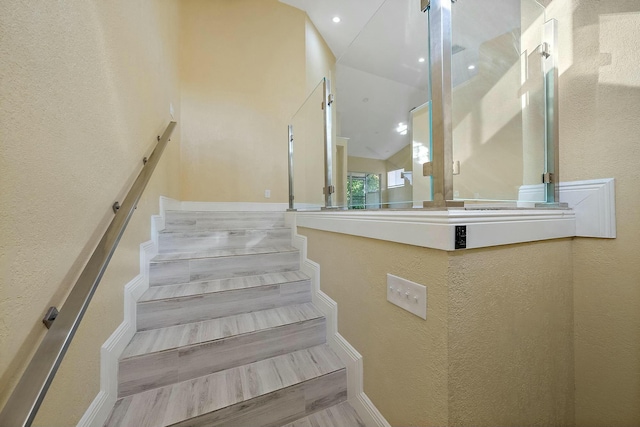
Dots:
{"x": 26, "y": 398}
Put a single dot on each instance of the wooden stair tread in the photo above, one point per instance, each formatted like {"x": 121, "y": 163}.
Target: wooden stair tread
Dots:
{"x": 161, "y": 292}
{"x": 206, "y": 233}
{"x": 178, "y": 402}
{"x": 340, "y": 415}
{"x": 221, "y": 253}
{"x": 156, "y": 340}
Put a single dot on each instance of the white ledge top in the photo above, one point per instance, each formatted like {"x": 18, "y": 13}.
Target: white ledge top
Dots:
{"x": 437, "y": 229}
{"x": 592, "y": 214}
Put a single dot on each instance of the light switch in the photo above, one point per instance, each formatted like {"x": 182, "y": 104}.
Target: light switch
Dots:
{"x": 267, "y": 194}
{"x": 407, "y": 295}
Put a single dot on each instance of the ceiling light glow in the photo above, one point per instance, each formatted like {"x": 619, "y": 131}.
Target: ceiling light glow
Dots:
{"x": 421, "y": 59}
{"x": 402, "y": 128}
{"x": 471, "y": 67}
{"x": 336, "y": 19}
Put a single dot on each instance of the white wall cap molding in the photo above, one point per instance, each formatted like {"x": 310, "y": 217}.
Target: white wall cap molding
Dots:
{"x": 594, "y": 203}
{"x": 436, "y": 229}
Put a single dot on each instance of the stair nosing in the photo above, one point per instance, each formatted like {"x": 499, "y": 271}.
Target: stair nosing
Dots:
{"x": 285, "y": 249}
{"x": 319, "y": 315}
{"x": 187, "y": 346}
{"x": 214, "y": 230}
{"x": 333, "y": 371}
{"x": 183, "y": 297}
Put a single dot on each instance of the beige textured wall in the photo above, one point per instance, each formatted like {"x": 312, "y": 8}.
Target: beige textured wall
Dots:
{"x": 85, "y": 88}
{"x": 405, "y": 372}
{"x": 320, "y": 61}
{"x": 399, "y": 197}
{"x": 511, "y": 336}
{"x": 243, "y": 76}
{"x": 496, "y": 349}
{"x": 599, "y": 131}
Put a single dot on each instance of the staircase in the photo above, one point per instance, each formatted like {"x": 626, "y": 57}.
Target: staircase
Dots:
{"x": 227, "y": 334}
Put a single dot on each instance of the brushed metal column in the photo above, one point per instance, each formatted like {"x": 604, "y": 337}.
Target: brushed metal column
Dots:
{"x": 291, "y": 194}
{"x": 441, "y": 104}
{"x": 329, "y": 189}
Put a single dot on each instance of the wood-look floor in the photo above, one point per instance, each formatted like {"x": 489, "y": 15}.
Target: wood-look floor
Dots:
{"x": 175, "y": 403}
{"x": 157, "y": 340}
{"x": 227, "y": 334}
{"x": 171, "y": 269}
{"x": 205, "y": 240}
{"x": 189, "y": 221}
{"x": 221, "y": 285}
{"x": 341, "y": 415}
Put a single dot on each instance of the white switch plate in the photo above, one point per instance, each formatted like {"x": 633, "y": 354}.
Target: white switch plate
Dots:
{"x": 407, "y": 295}
{"x": 267, "y": 194}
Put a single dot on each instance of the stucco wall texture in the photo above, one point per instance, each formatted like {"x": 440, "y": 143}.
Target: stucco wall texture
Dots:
{"x": 85, "y": 87}
{"x": 497, "y": 345}
{"x": 599, "y": 138}
{"x": 405, "y": 358}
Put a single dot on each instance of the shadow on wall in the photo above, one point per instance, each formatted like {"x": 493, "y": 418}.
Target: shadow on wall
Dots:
{"x": 599, "y": 128}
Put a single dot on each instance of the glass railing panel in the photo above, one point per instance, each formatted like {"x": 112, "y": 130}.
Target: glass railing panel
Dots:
{"x": 381, "y": 88}
{"x": 308, "y": 152}
{"x": 498, "y": 100}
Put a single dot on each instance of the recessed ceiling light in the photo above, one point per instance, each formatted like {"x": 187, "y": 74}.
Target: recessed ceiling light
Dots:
{"x": 421, "y": 59}
{"x": 336, "y": 19}
{"x": 471, "y": 67}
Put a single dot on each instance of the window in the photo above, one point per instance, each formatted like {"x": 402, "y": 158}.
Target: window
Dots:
{"x": 394, "y": 178}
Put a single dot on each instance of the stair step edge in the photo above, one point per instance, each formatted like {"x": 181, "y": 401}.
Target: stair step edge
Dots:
{"x": 273, "y": 318}
{"x": 229, "y": 284}
{"x": 284, "y": 371}
{"x": 340, "y": 415}
{"x": 221, "y": 253}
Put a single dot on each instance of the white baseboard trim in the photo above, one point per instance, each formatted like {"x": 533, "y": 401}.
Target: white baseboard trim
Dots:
{"x": 349, "y": 355}
{"x": 98, "y": 412}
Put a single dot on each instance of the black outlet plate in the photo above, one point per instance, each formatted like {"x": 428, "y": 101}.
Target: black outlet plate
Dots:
{"x": 461, "y": 237}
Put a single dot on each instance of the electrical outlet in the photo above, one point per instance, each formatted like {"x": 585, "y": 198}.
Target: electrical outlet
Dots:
{"x": 407, "y": 295}
{"x": 267, "y": 194}
{"x": 461, "y": 237}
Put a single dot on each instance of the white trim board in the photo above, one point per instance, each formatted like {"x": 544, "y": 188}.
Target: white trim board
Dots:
{"x": 349, "y": 355}
{"x": 436, "y": 229}
{"x": 591, "y": 214}
{"x": 98, "y": 412}
{"x": 593, "y": 202}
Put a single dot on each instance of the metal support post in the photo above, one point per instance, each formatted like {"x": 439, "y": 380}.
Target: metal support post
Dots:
{"x": 291, "y": 197}
{"x": 329, "y": 189}
{"x": 441, "y": 104}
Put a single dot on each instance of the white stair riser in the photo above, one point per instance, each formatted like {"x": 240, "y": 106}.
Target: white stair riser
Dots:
{"x": 228, "y": 239}
{"x": 280, "y": 407}
{"x": 177, "y": 311}
{"x": 198, "y": 269}
{"x": 155, "y": 370}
